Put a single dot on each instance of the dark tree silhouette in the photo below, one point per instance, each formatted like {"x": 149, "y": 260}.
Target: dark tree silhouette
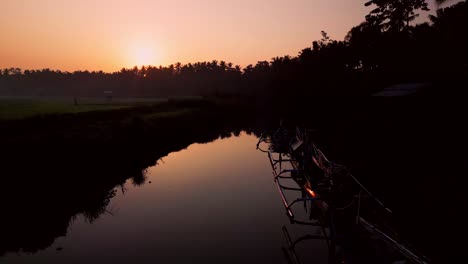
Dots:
{"x": 385, "y": 49}
{"x": 395, "y": 14}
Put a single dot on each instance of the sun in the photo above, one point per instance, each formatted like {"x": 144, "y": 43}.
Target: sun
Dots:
{"x": 143, "y": 56}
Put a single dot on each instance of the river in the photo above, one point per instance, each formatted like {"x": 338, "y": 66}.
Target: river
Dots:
{"x": 209, "y": 203}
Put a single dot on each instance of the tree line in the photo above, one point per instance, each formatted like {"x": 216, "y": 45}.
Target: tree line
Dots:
{"x": 387, "y": 48}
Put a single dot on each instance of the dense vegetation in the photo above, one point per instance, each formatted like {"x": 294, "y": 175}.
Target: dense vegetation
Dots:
{"x": 385, "y": 49}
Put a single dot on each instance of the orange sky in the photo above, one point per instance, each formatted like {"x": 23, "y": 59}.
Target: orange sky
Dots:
{"x": 111, "y": 34}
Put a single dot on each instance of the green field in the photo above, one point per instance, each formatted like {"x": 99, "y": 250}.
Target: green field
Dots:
{"x": 17, "y": 108}
{"x": 22, "y": 108}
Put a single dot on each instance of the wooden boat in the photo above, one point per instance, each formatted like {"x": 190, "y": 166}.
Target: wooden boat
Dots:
{"x": 353, "y": 220}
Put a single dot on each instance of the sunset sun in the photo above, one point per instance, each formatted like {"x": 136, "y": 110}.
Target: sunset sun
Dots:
{"x": 141, "y": 56}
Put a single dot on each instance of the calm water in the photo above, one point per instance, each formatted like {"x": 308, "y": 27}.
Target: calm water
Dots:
{"x": 209, "y": 203}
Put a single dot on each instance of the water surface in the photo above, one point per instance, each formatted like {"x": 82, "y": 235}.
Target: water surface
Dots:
{"x": 209, "y": 203}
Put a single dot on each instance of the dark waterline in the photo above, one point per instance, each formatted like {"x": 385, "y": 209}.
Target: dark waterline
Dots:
{"x": 209, "y": 203}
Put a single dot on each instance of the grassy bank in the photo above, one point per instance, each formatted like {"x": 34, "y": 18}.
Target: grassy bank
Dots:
{"x": 17, "y": 108}
{"x": 24, "y": 119}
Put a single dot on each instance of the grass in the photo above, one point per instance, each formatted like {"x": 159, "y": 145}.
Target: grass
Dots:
{"x": 15, "y": 109}
{"x": 19, "y": 108}
{"x": 168, "y": 114}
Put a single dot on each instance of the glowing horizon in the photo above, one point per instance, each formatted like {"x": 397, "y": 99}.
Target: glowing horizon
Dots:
{"x": 110, "y": 35}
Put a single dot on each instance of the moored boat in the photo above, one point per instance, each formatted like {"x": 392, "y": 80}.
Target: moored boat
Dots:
{"x": 354, "y": 222}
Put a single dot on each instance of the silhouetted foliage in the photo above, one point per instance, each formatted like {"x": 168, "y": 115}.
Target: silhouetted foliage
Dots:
{"x": 383, "y": 50}
{"x": 449, "y": 43}
{"x": 395, "y": 15}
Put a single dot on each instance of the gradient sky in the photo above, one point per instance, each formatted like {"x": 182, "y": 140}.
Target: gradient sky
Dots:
{"x": 111, "y": 34}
